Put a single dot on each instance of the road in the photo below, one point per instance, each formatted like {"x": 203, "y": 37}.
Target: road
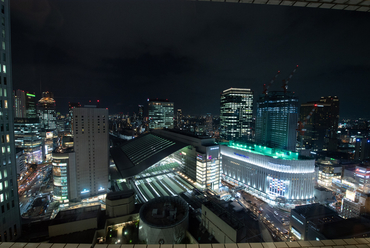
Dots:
{"x": 276, "y": 220}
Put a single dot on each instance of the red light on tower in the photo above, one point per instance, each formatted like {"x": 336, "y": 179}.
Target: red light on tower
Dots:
{"x": 315, "y": 105}
{"x": 98, "y": 100}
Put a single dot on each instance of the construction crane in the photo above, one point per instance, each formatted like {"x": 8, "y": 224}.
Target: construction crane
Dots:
{"x": 265, "y": 88}
{"x": 285, "y": 82}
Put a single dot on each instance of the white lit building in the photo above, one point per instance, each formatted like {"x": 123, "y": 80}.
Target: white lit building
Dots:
{"x": 64, "y": 175}
{"x": 236, "y": 113}
{"x": 91, "y": 145}
{"x": 269, "y": 173}
{"x": 161, "y": 114}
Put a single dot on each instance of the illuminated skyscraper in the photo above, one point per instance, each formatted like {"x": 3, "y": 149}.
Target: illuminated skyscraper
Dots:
{"x": 236, "y": 113}
{"x": 161, "y": 114}
{"x": 276, "y": 121}
{"x": 10, "y": 224}
{"x": 46, "y": 111}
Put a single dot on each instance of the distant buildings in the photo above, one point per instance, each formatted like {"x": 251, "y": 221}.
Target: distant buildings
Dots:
{"x": 161, "y": 114}
{"x": 140, "y": 114}
{"x": 236, "y": 113}
{"x": 46, "y": 111}
{"x": 319, "y": 124}
{"x": 10, "y": 220}
{"x": 276, "y": 121}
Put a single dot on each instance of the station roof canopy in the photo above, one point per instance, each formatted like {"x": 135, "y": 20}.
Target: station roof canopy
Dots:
{"x": 139, "y": 154}
{"x": 356, "y": 5}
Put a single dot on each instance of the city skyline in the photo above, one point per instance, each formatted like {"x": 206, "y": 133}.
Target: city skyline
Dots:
{"x": 187, "y": 52}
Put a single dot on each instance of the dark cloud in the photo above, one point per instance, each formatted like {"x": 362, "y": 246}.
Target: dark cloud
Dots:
{"x": 123, "y": 52}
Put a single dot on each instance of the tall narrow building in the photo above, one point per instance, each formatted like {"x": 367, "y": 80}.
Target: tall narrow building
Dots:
{"x": 319, "y": 121}
{"x": 276, "y": 121}
{"x": 10, "y": 221}
{"x": 236, "y": 113}
{"x": 161, "y": 114}
{"x": 46, "y": 111}
{"x": 91, "y": 147}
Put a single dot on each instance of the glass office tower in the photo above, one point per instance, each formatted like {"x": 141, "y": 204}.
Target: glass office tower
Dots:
{"x": 236, "y": 113}
{"x": 276, "y": 121}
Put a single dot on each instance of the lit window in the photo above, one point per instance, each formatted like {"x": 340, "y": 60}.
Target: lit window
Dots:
{"x": 6, "y": 104}
{"x": 6, "y": 184}
{"x": 7, "y": 138}
{"x": 4, "y": 68}
{"x": 1, "y": 197}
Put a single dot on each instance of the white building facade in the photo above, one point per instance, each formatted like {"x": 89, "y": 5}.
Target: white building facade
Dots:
{"x": 269, "y": 173}
{"x": 91, "y": 145}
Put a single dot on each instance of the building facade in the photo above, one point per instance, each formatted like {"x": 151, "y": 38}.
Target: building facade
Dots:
{"x": 161, "y": 114}
{"x": 320, "y": 120}
{"x": 91, "y": 145}
{"x": 201, "y": 158}
{"x": 273, "y": 174}
{"x": 27, "y": 137}
{"x": 276, "y": 121}
{"x": 10, "y": 220}
{"x": 236, "y": 113}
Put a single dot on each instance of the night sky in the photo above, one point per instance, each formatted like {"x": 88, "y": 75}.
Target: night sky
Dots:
{"x": 125, "y": 51}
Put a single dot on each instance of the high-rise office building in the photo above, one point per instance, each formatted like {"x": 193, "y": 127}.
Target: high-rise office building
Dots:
{"x": 319, "y": 124}
{"x": 91, "y": 146}
{"x": 276, "y": 121}
{"x": 161, "y": 114}
{"x": 46, "y": 111}
{"x": 24, "y": 104}
{"x": 10, "y": 221}
{"x": 236, "y": 113}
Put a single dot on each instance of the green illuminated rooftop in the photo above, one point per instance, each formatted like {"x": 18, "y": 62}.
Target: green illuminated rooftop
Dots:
{"x": 264, "y": 150}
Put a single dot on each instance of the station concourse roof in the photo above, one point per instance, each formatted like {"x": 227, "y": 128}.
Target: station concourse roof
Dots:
{"x": 139, "y": 154}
